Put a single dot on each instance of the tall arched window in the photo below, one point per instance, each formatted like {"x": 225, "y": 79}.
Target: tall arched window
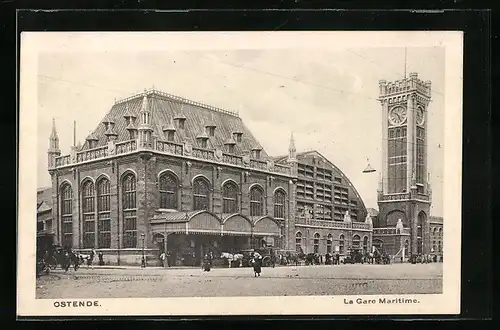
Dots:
{"x": 420, "y": 228}
{"x": 168, "y": 191}
{"x": 434, "y": 247}
{"x": 356, "y": 240}
{"x": 256, "y": 201}
{"x": 129, "y": 211}
{"x": 316, "y": 243}
{"x": 329, "y": 241}
{"x": 229, "y": 197}
{"x": 341, "y": 244}
{"x": 298, "y": 242}
{"x": 103, "y": 211}
{"x": 88, "y": 210}
{"x": 365, "y": 244}
{"x": 201, "y": 194}
{"x": 279, "y": 204}
{"x": 66, "y": 215}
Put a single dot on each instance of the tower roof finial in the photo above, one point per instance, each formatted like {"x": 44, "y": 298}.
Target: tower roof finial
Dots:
{"x": 292, "y": 143}
{"x": 53, "y": 135}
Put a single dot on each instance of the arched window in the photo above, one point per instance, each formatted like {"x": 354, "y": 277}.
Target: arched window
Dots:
{"x": 201, "y": 194}
{"x": 341, "y": 244}
{"x": 88, "y": 210}
{"x": 256, "y": 201}
{"x": 439, "y": 246}
{"x": 356, "y": 240}
{"x": 168, "y": 191}
{"x": 329, "y": 241}
{"x": 365, "y": 244}
{"x": 66, "y": 215}
{"x": 316, "y": 243}
{"x": 129, "y": 211}
{"x": 420, "y": 227}
{"x": 229, "y": 197}
{"x": 434, "y": 247}
{"x": 298, "y": 242}
{"x": 279, "y": 204}
{"x": 103, "y": 211}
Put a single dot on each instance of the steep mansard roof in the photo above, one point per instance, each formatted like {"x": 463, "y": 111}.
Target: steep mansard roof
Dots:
{"x": 163, "y": 109}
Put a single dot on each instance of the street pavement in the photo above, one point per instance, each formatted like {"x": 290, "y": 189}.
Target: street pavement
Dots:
{"x": 135, "y": 282}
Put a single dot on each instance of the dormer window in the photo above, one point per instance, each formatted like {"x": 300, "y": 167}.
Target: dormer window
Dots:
{"x": 230, "y": 143}
{"x": 238, "y": 136}
{"x": 169, "y": 130}
{"x": 180, "y": 119}
{"x": 256, "y": 154}
{"x": 202, "y": 139}
{"x": 210, "y": 126}
{"x": 211, "y": 130}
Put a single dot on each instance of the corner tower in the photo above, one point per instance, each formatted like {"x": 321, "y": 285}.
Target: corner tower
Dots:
{"x": 405, "y": 193}
{"x": 53, "y": 150}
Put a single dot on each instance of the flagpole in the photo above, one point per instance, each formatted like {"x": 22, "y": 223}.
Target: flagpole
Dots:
{"x": 405, "y": 62}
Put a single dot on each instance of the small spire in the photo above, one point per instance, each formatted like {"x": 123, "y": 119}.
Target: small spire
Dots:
{"x": 53, "y": 135}
{"x": 291, "y": 149}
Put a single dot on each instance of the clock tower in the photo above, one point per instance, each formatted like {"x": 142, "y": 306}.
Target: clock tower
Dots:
{"x": 404, "y": 193}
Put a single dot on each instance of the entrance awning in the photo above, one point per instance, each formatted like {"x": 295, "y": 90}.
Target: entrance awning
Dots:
{"x": 208, "y": 223}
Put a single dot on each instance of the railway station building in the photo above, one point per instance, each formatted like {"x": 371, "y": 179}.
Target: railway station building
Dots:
{"x": 164, "y": 173}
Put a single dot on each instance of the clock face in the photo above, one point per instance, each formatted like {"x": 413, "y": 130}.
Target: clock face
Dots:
{"x": 397, "y": 116}
{"x": 420, "y": 116}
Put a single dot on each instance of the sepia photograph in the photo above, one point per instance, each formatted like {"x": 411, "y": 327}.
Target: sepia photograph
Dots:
{"x": 216, "y": 169}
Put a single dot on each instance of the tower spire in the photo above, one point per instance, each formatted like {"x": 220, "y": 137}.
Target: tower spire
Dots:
{"x": 292, "y": 152}
{"x": 54, "y": 132}
{"x": 54, "y": 150}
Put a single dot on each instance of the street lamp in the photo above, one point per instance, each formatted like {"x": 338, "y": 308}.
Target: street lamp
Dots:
{"x": 118, "y": 249}
{"x": 143, "y": 260}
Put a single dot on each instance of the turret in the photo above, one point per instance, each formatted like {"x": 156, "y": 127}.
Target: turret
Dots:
{"x": 145, "y": 128}
{"x": 292, "y": 152}
{"x": 53, "y": 150}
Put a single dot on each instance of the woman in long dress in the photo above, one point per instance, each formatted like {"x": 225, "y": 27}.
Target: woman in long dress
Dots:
{"x": 257, "y": 264}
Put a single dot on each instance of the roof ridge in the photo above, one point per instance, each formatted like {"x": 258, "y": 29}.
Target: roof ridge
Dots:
{"x": 155, "y": 92}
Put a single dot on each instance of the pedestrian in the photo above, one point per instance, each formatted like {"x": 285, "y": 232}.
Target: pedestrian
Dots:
{"x": 162, "y": 259}
{"x": 101, "y": 258}
{"x": 257, "y": 264}
{"x": 207, "y": 263}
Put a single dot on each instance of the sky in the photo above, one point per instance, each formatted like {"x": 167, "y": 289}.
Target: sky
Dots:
{"x": 327, "y": 98}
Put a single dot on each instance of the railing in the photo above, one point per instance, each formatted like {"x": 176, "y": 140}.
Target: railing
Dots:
{"x": 390, "y": 231}
{"x": 178, "y": 99}
{"x": 203, "y": 154}
{"x": 394, "y": 197}
{"x": 261, "y": 165}
{"x": 232, "y": 159}
{"x": 92, "y": 154}
{"x": 126, "y": 146}
{"x": 170, "y": 147}
{"x": 333, "y": 224}
{"x": 63, "y": 160}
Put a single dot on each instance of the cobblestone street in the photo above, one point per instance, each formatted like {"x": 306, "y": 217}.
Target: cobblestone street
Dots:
{"x": 224, "y": 282}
